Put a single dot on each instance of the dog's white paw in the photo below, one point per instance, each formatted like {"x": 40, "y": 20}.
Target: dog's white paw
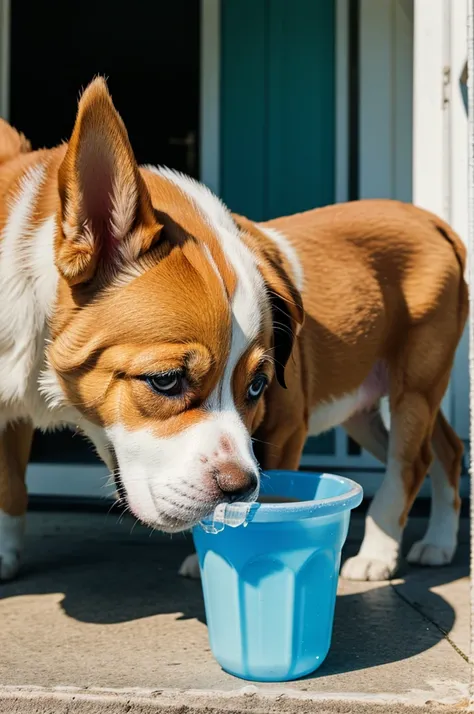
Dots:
{"x": 425, "y": 553}
{"x": 362, "y": 568}
{"x": 11, "y": 544}
{"x": 190, "y": 567}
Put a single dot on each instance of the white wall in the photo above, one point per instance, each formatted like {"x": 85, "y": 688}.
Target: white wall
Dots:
{"x": 458, "y": 196}
{"x": 440, "y": 178}
{"x": 413, "y": 124}
{"x": 386, "y": 90}
{"x": 385, "y": 140}
{"x": 413, "y": 129}
{"x": 428, "y": 108}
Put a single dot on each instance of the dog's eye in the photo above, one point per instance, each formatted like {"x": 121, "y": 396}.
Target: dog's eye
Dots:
{"x": 170, "y": 384}
{"x": 257, "y": 385}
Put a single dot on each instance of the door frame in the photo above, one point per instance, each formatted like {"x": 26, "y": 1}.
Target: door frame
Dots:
{"x": 209, "y": 169}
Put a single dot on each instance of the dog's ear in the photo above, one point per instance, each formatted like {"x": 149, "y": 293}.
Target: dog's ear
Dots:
{"x": 103, "y": 196}
{"x": 285, "y": 298}
{"x": 287, "y": 312}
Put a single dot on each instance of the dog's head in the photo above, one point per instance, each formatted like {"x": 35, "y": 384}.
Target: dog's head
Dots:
{"x": 168, "y": 324}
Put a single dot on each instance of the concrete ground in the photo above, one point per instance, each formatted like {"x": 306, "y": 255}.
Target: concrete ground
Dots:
{"x": 99, "y": 621}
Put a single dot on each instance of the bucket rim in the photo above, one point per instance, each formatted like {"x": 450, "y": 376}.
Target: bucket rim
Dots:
{"x": 294, "y": 511}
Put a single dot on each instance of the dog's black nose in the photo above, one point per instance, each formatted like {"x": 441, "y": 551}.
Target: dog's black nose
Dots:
{"x": 236, "y": 481}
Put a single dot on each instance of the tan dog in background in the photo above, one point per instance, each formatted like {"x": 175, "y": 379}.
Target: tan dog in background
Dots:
{"x": 135, "y": 307}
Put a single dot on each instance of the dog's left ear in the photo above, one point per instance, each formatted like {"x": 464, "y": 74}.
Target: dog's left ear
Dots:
{"x": 106, "y": 210}
{"x": 287, "y": 312}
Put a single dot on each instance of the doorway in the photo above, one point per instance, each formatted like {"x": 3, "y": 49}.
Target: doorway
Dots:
{"x": 148, "y": 51}
{"x": 150, "y": 54}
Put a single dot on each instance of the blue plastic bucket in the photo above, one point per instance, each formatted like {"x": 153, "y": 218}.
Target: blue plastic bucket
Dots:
{"x": 270, "y": 584}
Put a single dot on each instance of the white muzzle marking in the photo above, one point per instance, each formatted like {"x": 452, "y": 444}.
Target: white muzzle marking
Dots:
{"x": 169, "y": 482}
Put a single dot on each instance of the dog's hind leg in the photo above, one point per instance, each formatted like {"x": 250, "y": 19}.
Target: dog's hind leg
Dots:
{"x": 415, "y": 397}
{"x": 369, "y": 431}
{"x": 439, "y": 543}
{"x": 15, "y": 445}
{"x": 409, "y": 459}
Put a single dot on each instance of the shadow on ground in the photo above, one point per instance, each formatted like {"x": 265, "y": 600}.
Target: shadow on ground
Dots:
{"x": 394, "y": 621}
{"x": 109, "y": 575}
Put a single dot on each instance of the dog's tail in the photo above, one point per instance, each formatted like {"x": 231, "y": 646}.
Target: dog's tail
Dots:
{"x": 445, "y": 231}
{"x": 12, "y": 142}
{"x": 460, "y": 252}
{"x": 454, "y": 240}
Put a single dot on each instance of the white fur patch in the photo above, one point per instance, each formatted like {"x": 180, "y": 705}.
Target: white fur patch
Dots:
{"x": 19, "y": 322}
{"x": 12, "y": 533}
{"x": 28, "y": 284}
{"x": 331, "y": 414}
{"x": 168, "y": 481}
{"x": 28, "y": 288}
{"x": 124, "y": 205}
{"x": 50, "y": 389}
{"x": 288, "y": 250}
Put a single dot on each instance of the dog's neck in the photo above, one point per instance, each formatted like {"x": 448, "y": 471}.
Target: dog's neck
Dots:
{"x": 28, "y": 286}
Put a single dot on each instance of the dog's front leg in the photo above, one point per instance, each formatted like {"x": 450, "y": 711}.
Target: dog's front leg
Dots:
{"x": 15, "y": 445}
{"x": 409, "y": 458}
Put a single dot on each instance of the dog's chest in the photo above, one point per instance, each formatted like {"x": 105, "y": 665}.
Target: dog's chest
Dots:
{"x": 28, "y": 284}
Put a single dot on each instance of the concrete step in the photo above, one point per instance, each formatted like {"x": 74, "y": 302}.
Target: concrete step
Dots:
{"x": 100, "y": 622}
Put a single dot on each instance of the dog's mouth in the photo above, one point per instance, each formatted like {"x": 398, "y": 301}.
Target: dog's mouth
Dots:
{"x": 182, "y": 521}
{"x": 168, "y": 522}
{"x": 176, "y": 517}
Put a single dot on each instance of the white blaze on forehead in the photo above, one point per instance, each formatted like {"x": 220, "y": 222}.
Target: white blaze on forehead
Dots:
{"x": 249, "y": 299}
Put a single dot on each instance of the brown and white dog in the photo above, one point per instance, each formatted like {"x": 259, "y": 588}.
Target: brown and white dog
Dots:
{"x": 135, "y": 307}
